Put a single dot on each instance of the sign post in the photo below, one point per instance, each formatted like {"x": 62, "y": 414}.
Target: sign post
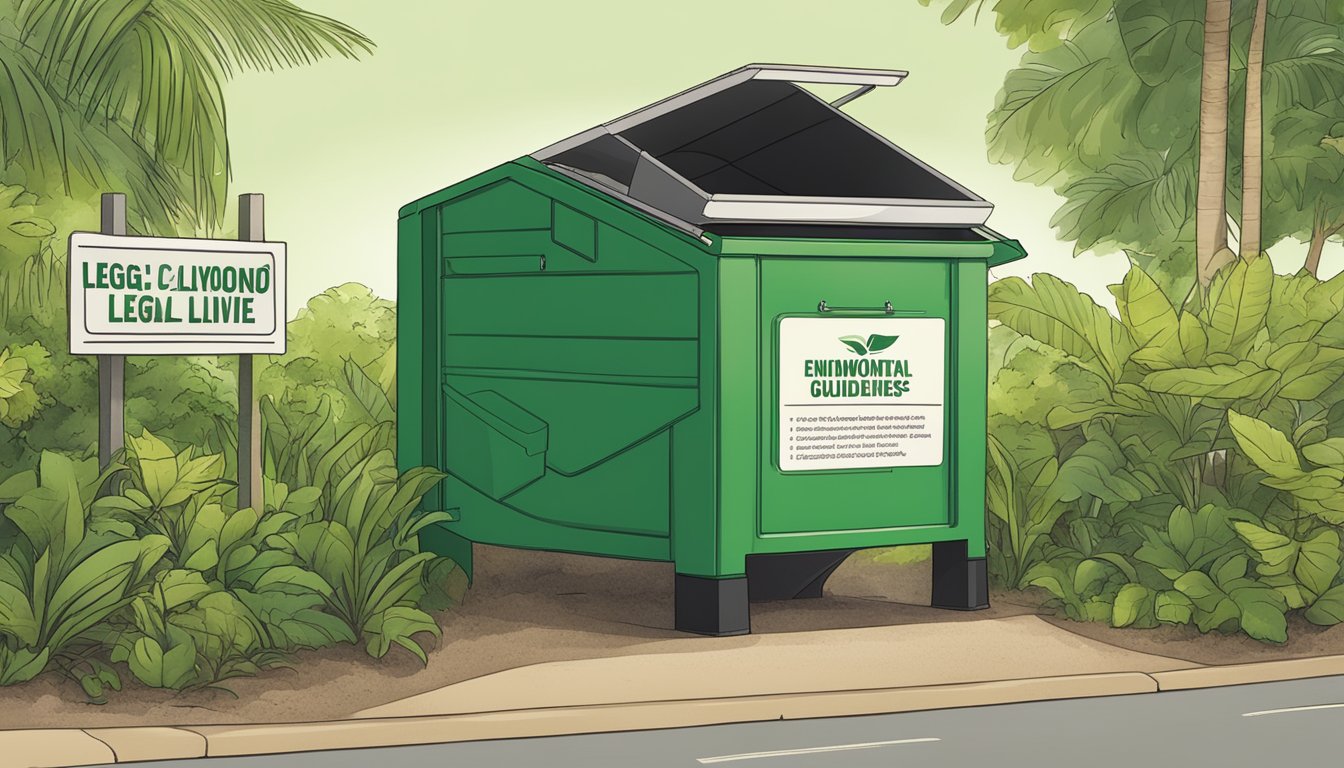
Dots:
{"x": 178, "y": 296}
{"x": 251, "y": 227}
{"x": 111, "y": 367}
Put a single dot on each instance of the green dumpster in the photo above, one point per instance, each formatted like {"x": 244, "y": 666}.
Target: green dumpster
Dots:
{"x": 735, "y": 330}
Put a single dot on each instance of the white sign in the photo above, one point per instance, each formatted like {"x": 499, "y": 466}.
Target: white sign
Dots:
{"x": 860, "y": 392}
{"x": 176, "y": 296}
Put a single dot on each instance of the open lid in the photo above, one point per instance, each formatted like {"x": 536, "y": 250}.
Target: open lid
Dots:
{"x": 753, "y": 146}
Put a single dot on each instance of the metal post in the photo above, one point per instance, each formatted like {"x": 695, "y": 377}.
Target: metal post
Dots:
{"x": 251, "y": 226}
{"x": 112, "y": 368}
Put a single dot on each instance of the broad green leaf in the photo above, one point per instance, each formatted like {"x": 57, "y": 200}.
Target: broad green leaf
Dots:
{"x": 22, "y": 665}
{"x": 1181, "y": 529}
{"x": 293, "y": 621}
{"x": 1262, "y": 610}
{"x": 1238, "y": 310}
{"x": 1327, "y": 453}
{"x": 17, "y": 485}
{"x": 1308, "y": 369}
{"x": 1056, "y": 313}
{"x": 1089, "y": 575}
{"x": 1245, "y": 380}
{"x": 371, "y": 397}
{"x": 1265, "y": 446}
{"x": 1173, "y": 607}
{"x": 13, "y": 370}
{"x": 1230, "y": 568}
{"x": 33, "y": 228}
{"x": 1131, "y": 604}
{"x": 291, "y": 579}
{"x": 182, "y": 587}
{"x": 1328, "y": 609}
{"x": 1099, "y": 469}
{"x": 157, "y": 668}
{"x": 1274, "y": 550}
{"x": 1052, "y": 579}
{"x": 399, "y": 625}
{"x": 1163, "y": 38}
{"x": 16, "y": 615}
{"x": 1213, "y": 607}
{"x": 1318, "y": 561}
{"x": 1147, "y": 313}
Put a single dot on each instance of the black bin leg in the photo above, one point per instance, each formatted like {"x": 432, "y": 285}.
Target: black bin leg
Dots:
{"x": 960, "y": 583}
{"x": 707, "y": 606}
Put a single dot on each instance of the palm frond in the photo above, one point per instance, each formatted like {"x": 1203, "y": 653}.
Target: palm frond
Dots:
{"x": 154, "y": 70}
{"x": 31, "y": 127}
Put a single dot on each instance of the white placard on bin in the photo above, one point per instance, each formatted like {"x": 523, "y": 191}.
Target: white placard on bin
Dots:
{"x": 861, "y": 392}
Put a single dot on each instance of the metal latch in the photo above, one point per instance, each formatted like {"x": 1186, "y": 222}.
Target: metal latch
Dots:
{"x": 886, "y": 307}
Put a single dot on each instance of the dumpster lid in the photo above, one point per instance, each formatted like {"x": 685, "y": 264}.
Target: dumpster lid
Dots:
{"x": 754, "y": 146}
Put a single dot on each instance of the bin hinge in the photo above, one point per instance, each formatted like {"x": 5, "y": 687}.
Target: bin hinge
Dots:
{"x": 886, "y": 307}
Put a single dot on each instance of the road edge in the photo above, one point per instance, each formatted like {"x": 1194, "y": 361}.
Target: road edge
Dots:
{"x": 70, "y": 747}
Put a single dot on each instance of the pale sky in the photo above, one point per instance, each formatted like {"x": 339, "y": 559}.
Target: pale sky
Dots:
{"x": 457, "y": 87}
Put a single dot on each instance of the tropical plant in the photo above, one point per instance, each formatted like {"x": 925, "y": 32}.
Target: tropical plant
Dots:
{"x": 362, "y": 547}
{"x": 1126, "y": 108}
{"x": 1133, "y": 490}
{"x": 64, "y": 570}
{"x": 128, "y": 94}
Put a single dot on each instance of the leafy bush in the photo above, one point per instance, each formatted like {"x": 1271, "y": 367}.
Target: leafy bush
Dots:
{"x": 1124, "y": 478}
{"x": 163, "y": 576}
{"x": 64, "y": 571}
{"x": 360, "y": 542}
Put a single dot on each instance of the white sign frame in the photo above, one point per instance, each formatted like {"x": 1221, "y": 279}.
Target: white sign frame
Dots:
{"x": 866, "y": 430}
{"x": 91, "y": 334}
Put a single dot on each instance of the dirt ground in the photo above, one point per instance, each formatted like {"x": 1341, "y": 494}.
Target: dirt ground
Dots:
{"x": 534, "y": 607}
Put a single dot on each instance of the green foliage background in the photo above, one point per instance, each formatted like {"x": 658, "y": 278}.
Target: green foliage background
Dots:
{"x": 1176, "y": 464}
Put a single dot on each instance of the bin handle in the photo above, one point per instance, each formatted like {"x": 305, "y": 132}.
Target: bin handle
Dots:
{"x": 886, "y": 307}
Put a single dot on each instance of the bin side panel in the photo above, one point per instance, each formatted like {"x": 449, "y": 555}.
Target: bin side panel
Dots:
{"x": 621, "y": 494}
{"x": 501, "y": 206}
{"x": 970, "y": 326}
{"x": 417, "y": 346}
{"x": 564, "y": 308}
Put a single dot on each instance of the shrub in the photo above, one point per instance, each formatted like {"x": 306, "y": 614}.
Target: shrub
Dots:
{"x": 162, "y": 575}
{"x": 1141, "y": 494}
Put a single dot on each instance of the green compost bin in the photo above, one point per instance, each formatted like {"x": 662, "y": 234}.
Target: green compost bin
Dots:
{"x": 735, "y": 330}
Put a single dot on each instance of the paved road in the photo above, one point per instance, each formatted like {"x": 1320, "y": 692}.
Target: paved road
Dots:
{"x": 1298, "y": 723}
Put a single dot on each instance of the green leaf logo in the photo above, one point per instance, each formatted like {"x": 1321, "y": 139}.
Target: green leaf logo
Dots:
{"x": 878, "y": 343}
{"x": 856, "y": 344}
{"x": 874, "y": 343}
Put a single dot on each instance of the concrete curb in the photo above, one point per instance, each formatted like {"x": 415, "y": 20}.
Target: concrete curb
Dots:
{"x": 1243, "y": 674}
{"x": 65, "y": 748}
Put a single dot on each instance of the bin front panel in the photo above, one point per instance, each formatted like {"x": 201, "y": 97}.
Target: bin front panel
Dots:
{"x": 864, "y": 391}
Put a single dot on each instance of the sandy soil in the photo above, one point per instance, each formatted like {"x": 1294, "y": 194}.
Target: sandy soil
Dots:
{"x": 534, "y": 607}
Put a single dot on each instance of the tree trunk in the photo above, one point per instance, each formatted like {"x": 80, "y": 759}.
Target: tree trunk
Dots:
{"x": 1211, "y": 250}
{"x": 1313, "y": 264}
{"x": 1252, "y": 151}
{"x": 1322, "y": 229}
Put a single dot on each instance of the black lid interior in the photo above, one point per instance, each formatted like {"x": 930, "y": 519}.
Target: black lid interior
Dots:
{"x": 764, "y": 137}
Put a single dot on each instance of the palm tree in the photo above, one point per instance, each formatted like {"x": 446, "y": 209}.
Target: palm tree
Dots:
{"x": 128, "y": 94}
{"x": 1253, "y": 149}
{"x": 1211, "y": 250}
